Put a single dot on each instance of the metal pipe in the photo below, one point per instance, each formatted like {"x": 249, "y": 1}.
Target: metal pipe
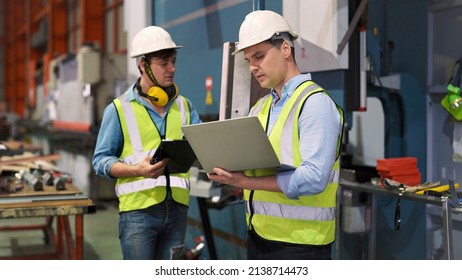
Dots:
{"x": 362, "y": 70}
{"x": 447, "y": 228}
{"x": 258, "y": 5}
{"x": 352, "y": 26}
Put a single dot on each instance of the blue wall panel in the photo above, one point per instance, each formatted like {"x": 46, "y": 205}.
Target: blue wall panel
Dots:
{"x": 202, "y": 38}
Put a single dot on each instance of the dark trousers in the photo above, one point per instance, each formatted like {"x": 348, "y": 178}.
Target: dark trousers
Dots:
{"x": 262, "y": 249}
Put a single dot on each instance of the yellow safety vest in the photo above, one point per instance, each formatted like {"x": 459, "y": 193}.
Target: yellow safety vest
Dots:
{"x": 311, "y": 219}
{"x": 141, "y": 138}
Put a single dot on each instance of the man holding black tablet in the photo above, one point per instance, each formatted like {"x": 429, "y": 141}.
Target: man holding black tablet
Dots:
{"x": 153, "y": 200}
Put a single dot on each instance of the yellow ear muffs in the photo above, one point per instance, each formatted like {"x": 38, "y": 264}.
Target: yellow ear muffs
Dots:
{"x": 160, "y": 97}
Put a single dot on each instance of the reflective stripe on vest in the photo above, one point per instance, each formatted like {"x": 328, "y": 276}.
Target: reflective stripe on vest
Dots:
{"x": 296, "y": 212}
{"x": 148, "y": 183}
{"x": 310, "y": 219}
{"x": 141, "y": 138}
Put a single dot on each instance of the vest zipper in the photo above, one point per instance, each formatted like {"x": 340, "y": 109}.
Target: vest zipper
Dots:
{"x": 251, "y": 210}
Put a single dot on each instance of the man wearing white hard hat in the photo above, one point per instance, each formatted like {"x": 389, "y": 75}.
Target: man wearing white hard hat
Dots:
{"x": 290, "y": 214}
{"x": 153, "y": 200}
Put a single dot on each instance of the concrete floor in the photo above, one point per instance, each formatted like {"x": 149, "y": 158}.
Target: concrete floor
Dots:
{"x": 101, "y": 240}
{"x": 102, "y": 233}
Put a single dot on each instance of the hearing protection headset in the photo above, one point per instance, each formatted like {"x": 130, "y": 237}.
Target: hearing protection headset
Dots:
{"x": 159, "y": 95}
{"x": 455, "y": 100}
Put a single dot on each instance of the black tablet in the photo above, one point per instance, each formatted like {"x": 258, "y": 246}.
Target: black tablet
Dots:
{"x": 179, "y": 152}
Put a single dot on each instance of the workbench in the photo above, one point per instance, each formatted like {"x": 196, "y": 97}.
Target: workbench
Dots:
{"x": 52, "y": 205}
{"x": 443, "y": 202}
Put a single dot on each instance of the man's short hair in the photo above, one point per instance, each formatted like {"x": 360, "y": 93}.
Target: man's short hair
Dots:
{"x": 162, "y": 54}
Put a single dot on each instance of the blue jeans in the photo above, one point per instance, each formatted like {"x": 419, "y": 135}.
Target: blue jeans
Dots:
{"x": 154, "y": 233}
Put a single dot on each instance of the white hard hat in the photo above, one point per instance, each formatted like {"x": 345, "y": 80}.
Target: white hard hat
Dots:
{"x": 151, "y": 39}
{"x": 259, "y": 26}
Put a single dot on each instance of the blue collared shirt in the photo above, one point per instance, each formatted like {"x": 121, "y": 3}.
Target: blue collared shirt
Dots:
{"x": 319, "y": 126}
{"x": 110, "y": 141}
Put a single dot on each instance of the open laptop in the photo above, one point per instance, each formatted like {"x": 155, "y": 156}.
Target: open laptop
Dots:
{"x": 235, "y": 144}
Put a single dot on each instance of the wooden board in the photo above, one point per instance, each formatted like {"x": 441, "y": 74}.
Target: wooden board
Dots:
{"x": 19, "y": 145}
{"x": 27, "y": 158}
{"x": 47, "y": 190}
{"x": 57, "y": 203}
{"x": 47, "y": 208}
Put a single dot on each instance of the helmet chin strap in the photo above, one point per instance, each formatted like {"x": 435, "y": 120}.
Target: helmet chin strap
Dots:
{"x": 148, "y": 71}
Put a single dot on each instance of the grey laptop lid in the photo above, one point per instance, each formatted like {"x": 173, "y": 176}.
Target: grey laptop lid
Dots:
{"x": 233, "y": 144}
